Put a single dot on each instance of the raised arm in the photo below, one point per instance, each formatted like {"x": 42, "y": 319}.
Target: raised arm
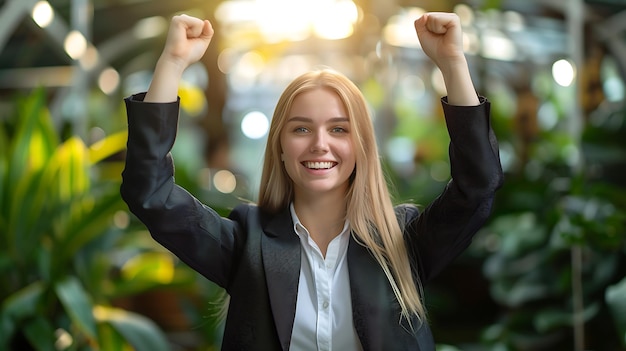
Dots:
{"x": 195, "y": 233}
{"x": 187, "y": 40}
{"x": 441, "y": 38}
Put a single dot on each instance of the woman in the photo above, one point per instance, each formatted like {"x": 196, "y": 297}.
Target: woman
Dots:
{"x": 324, "y": 261}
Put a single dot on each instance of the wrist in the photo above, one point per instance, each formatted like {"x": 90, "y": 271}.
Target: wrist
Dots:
{"x": 453, "y": 67}
{"x": 165, "y": 81}
{"x": 459, "y": 85}
{"x": 170, "y": 66}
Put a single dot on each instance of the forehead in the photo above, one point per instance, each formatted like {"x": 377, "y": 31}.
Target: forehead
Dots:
{"x": 317, "y": 102}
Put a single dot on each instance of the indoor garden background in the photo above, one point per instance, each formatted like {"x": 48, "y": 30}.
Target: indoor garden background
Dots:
{"x": 80, "y": 273}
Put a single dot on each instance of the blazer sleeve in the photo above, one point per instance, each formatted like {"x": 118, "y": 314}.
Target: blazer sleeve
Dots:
{"x": 445, "y": 227}
{"x": 192, "y": 231}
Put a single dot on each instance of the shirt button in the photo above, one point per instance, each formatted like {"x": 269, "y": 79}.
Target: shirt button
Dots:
{"x": 325, "y": 305}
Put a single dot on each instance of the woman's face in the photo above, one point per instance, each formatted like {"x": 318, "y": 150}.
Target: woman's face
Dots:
{"x": 318, "y": 153}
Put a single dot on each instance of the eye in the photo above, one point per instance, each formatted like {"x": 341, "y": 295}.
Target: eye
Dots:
{"x": 300, "y": 130}
{"x": 339, "y": 130}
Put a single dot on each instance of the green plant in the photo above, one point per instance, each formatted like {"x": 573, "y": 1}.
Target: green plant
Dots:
{"x": 555, "y": 251}
{"x": 57, "y": 241}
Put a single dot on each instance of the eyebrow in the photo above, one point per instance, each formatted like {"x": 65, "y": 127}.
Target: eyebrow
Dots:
{"x": 309, "y": 120}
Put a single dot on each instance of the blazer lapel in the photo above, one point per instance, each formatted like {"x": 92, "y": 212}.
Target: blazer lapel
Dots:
{"x": 281, "y": 261}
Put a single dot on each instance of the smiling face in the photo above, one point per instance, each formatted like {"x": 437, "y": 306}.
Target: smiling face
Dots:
{"x": 317, "y": 149}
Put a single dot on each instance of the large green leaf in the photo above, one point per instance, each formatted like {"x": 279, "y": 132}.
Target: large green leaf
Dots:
{"x": 73, "y": 181}
{"x": 616, "y": 299}
{"x": 110, "y": 339}
{"x": 76, "y": 302}
{"x": 23, "y": 200}
{"x": 40, "y": 334}
{"x": 94, "y": 221}
{"x": 27, "y": 219}
{"x": 18, "y": 306}
{"x": 34, "y": 138}
{"x": 142, "y": 333}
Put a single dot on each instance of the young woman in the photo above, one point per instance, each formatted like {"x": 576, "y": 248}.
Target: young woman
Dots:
{"x": 324, "y": 261}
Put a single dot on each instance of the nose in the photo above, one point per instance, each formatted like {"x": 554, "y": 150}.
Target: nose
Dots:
{"x": 319, "y": 142}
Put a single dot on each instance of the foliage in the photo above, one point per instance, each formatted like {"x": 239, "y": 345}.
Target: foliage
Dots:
{"x": 554, "y": 252}
{"x": 58, "y": 242}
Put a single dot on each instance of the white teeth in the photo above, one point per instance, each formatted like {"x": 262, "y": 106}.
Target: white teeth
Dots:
{"x": 318, "y": 165}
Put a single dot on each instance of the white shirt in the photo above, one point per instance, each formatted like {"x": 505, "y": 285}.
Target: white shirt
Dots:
{"x": 323, "y": 319}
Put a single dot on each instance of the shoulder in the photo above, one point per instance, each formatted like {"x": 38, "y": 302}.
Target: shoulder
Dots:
{"x": 406, "y": 212}
{"x": 249, "y": 214}
{"x": 244, "y": 211}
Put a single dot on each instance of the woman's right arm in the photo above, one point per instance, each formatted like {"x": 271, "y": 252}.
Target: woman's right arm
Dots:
{"x": 177, "y": 220}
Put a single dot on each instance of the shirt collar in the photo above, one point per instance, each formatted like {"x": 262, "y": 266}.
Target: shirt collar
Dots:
{"x": 300, "y": 229}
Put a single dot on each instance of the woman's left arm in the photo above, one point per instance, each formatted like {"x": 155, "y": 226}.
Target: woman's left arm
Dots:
{"x": 446, "y": 227}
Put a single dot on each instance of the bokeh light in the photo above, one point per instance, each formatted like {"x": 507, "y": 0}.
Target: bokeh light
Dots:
{"x": 225, "y": 181}
{"x": 255, "y": 125}
{"x": 42, "y": 14}
{"x": 75, "y": 44}
{"x": 563, "y": 72}
{"x": 150, "y": 27}
{"x": 109, "y": 81}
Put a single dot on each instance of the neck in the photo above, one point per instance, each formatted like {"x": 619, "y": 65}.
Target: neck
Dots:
{"x": 323, "y": 217}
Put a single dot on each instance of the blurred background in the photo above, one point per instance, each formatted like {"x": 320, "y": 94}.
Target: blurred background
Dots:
{"x": 79, "y": 272}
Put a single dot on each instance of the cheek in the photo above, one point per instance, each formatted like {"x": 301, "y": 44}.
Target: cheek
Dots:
{"x": 348, "y": 151}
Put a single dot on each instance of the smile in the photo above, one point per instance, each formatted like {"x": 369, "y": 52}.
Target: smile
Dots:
{"x": 319, "y": 165}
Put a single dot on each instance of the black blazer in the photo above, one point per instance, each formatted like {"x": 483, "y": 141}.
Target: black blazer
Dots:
{"x": 255, "y": 256}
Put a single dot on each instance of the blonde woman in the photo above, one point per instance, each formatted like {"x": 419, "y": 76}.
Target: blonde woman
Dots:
{"x": 324, "y": 261}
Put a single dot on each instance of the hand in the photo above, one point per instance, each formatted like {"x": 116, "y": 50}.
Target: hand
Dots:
{"x": 441, "y": 37}
{"x": 187, "y": 40}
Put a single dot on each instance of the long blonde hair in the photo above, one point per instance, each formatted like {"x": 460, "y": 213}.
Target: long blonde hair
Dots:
{"x": 369, "y": 207}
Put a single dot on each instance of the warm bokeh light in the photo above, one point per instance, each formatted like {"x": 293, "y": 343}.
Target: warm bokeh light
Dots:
{"x": 337, "y": 20}
{"x": 563, "y": 72}
{"x": 89, "y": 60}
{"x": 225, "y": 181}
{"x": 465, "y": 13}
{"x": 236, "y": 11}
{"x": 226, "y": 60}
{"x": 400, "y": 29}
{"x": 75, "y": 44}
{"x": 150, "y": 27}
{"x": 109, "y": 81}
{"x": 121, "y": 219}
{"x": 255, "y": 125}
{"x": 246, "y": 70}
{"x": 63, "y": 339}
{"x": 280, "y": 20}
{"x": 42, "y": 14}
{"x": 290, "y": 20}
